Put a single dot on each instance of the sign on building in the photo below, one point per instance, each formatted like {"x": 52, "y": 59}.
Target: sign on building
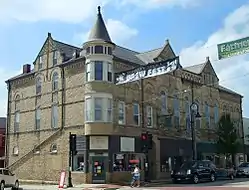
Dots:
{"x": 233, "y": 48}
{"x": 150, "y": 70}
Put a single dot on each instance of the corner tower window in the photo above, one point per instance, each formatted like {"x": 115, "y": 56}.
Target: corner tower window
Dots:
{"x": 98, "y": 70}
{"x": 99, "y": 49}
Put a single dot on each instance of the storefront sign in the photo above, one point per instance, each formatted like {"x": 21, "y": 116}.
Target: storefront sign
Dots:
{"x": 127, "y": 144}
{"x": 233, "y": 48}
{"x": 98, "y": 142}
{"x": 150, "y": 70}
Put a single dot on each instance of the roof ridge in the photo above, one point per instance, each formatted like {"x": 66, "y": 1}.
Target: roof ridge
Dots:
{"x": 127, "y": 49}
{"x": 199, "y": 64}
{"x": 66, "y": 44}
{"x": 151, "y": 50}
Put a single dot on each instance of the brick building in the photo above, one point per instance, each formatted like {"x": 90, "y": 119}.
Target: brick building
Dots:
{"x": 2, "y": 140}
{"x": 81, "y": 90}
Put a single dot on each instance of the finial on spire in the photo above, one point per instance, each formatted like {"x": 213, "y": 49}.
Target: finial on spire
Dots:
{"x": 99, "y": 10}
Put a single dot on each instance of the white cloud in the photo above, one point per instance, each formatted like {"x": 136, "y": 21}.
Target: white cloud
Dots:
{"x": 154, "y": 4}
{"x": 67, "y": 10}
{"x": 232, "y": 72}
{"x": 119, "y": 32}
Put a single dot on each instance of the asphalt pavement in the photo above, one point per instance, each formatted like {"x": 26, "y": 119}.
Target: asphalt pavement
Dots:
{"x": 236, "y": 184}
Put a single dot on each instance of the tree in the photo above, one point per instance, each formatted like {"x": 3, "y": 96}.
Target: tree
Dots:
{"x": 228, "y": 141}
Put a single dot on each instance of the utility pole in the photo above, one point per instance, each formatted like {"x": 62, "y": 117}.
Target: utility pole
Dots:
{"x": 193, "y": 130}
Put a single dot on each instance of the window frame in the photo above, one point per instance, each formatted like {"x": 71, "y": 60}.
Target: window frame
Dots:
{"x": 55, "y": 81}
{"x": 164, "y": 100}
{"x": 149, "y": 115}
{"x": 109, "y": 110}
{"x": 98, "y": 109}
{"x": 16, "y": 121}
{"x": 55, "y": 58}
{"x": 37, "y": 118}
{"x": 40, "y": 62}
{"x": 54, "y": 114}
{"x": 121, "y": 111}
{"x": 98, "y": 77}
{"x": 136, "y": 114}
{"x": 38, "y": 85}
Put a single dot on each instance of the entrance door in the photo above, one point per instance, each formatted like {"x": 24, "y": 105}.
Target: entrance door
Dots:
{"x": 98, "y": 169}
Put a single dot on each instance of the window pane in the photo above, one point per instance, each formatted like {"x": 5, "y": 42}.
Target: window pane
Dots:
{"x": 38, "y": 86}
{"x": 109, "y": 51}
{"x": 98, "y": 70}
{"x": 109, "y": 73}
{"x": 163, "y": 102}
{"x": 88, "y": 109}
{"x": 54, "y": 116}
{"x": 121, "y": 113}
{"x": 98, "y": 109}
{"x": 99, "y": 49}
{"x": 135, "y": 109}
{"x": 109, "y": 111}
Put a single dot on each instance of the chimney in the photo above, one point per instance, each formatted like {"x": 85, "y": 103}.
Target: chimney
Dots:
{"x": 26, "y": 68}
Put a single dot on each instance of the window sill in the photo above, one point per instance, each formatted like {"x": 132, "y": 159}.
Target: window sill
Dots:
{"x": 107, "y": 122}
{"x": 53, "y": 152}
{"x": 98, "y": 81}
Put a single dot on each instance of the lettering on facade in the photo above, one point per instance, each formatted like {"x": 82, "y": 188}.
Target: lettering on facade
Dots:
{"x": 98, "y": 142}
{"x": 150, "y": 70}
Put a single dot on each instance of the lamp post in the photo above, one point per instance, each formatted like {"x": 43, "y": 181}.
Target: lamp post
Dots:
{"x": 194, "y": 115}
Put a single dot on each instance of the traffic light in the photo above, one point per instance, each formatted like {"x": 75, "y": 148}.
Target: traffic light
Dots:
{"x": 144, "y": 142}
{"x": 73, "y": 143}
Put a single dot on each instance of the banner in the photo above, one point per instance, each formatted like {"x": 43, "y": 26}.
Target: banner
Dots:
{"x": 150, "y": 70}
{"x": 233, "y": 48}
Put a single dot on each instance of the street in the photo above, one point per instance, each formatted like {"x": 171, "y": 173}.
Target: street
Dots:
{"x": 240, "y": 184}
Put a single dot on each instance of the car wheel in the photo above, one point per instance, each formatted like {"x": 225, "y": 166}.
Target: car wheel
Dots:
{"x": 2, "y": 186}
{"x": 212, "y": 177}
{"x": 232, "y": 177}
{"x": 195, "y": 179}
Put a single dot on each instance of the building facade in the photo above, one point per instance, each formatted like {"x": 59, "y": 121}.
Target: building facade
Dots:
{"x": 2, "y": 141}
{"x": 92, "y": 92}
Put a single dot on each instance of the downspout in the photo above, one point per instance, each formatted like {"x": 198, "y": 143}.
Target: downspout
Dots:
{"x": 6, "y": 163}
{"x": 63, "y": 99}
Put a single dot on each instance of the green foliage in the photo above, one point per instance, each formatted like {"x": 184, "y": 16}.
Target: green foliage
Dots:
{"x": 228, "y": 140}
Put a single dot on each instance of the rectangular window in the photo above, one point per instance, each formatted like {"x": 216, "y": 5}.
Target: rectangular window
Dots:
{"x": 54, "y": 116}
{"x": 109, "y": 110}
{"x": 149, "y": 117}
{"x": 98, "y": 70}
{"x": 55, "y": 57}
{"x": 99, "y": 49}
{"x": 17, "y": 121}
{"x": 79, "y": 164}
{"x": 40, "y": 62}
{"x": 88, "y": 109}
{"x": 109, "y": 73}
{"x": 121, "y": 113}
{"x": 98, "y": 109}
{"x": 37, "y": 119}
{"x": 109, "y": 51}
{"x": 88, "y": 72}
{"x": 136, "y": 114}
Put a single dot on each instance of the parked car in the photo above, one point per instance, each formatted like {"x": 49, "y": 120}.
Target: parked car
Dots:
{"x": 243, "y": 170}
{"x": 194, "y": 171}
{"x": 7, "y": 179}
{"x": 228, "y": 172}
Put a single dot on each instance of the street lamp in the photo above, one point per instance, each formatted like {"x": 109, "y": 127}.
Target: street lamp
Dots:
{"x": 194, "y": 107}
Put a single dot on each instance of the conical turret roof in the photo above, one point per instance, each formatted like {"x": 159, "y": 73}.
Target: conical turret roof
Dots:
{"x": 99, "y": 31}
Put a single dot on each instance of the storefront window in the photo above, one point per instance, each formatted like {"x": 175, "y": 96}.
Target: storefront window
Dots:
{"x": 78, "y": 162}
{"x": 126, "y": 162}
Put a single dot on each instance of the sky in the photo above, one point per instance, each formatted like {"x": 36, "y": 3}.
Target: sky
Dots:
{"x": 193, "y": 27}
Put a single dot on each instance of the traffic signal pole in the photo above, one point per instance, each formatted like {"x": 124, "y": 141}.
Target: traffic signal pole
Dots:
{"x": 70, "y": 184}
{"x": 146, "y": 161}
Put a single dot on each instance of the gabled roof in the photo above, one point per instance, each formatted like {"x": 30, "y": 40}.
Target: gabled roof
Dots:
{"x": 99, "y": 31}
{"x": 150, "y": 56}
{"x": 228, "y": 90}
{"x": 197, "y": 69}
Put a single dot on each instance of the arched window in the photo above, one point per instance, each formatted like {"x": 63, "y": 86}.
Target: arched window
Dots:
{"x": 38, "y": 85}
{"x": 176, "y": 112}
{"x": 53, "y": 148}
{"x": 55, "y": 81}
{"x": 187, "y": 114}
{"x": 216, "y": 114}
{"x": 163, "y": 103}
{"x": 207, "y": 115}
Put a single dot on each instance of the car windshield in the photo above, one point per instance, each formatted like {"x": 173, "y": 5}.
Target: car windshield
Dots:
{"x": 188, "y": 165}
{"x": 244, "y": 165}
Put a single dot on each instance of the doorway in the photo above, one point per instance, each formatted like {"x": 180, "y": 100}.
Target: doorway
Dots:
{"x": 98, "y": 169}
